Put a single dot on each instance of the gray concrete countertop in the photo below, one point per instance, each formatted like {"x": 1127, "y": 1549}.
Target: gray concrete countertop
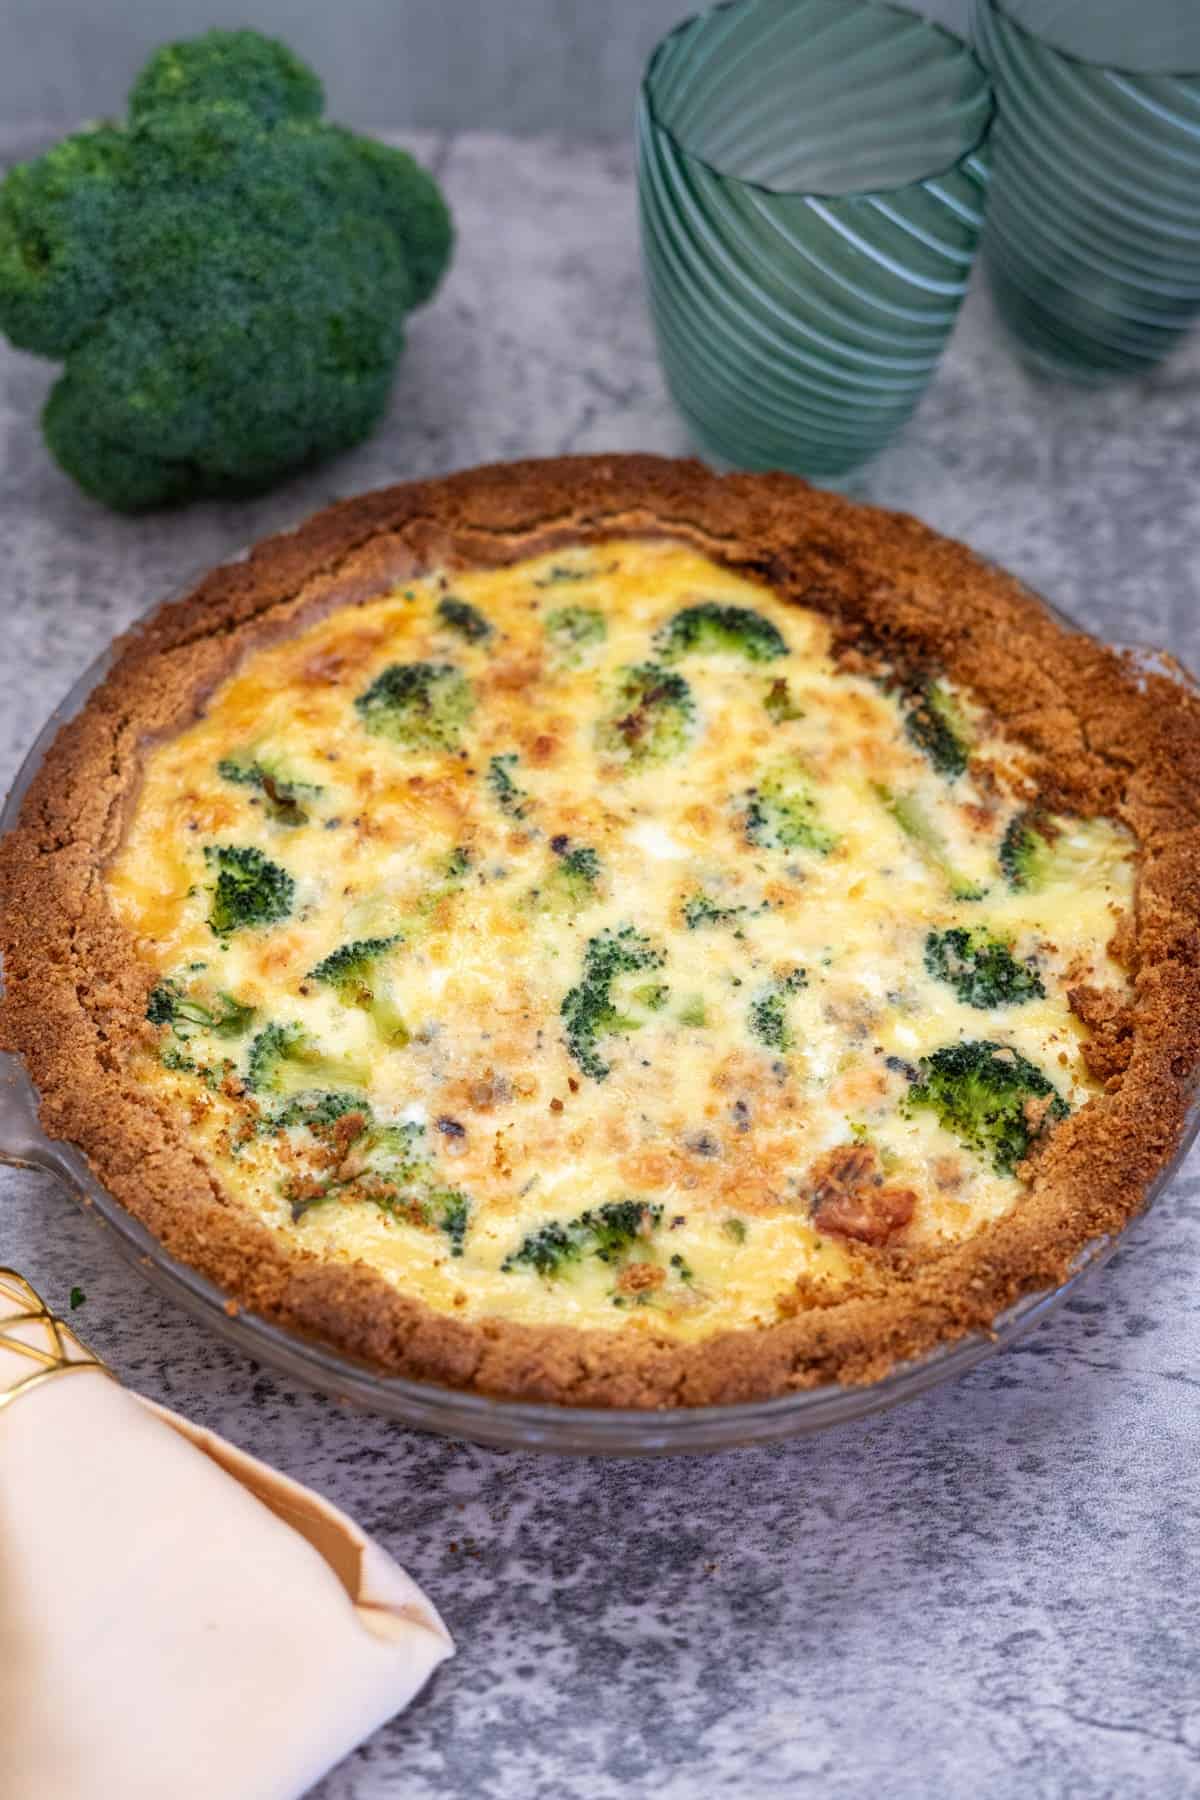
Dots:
{"x": 986, "y": 1593}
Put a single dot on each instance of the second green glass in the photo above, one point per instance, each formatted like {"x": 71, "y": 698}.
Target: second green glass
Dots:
{"x": 811, "y": 178}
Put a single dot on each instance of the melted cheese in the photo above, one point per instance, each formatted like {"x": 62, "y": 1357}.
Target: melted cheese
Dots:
{"x": 697, "y": 1115}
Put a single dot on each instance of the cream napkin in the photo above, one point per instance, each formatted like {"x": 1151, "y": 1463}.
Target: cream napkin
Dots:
{"x": 175, "y": 1617}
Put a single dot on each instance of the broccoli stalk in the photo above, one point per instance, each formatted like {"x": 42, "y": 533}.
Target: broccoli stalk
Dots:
{"x": 249, "y": 889}
{"x": 589, "y": 1011}
{"x": 782, "y": 813}
{"x": 285, "y": 1061}
{"x": 710, "y": 627}
{"x": 980, "y": 968}
{"x": 352, "y": 974}
{"x": 990, "y": 1096}
{"x": 193, "y": 1009}
{"x": 226, "y": 277}
{"x": 607, "y": 1232}
{"x": 649, "y": 718}
{"x": 284, "y": 798}
{"x": 420, "y": 706}
{"x": 924, "y": 835}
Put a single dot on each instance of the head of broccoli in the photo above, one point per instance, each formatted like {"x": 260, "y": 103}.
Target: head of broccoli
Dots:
{"x": 935, "y": 723}
{"x": 782, "y": 813}
{"x": 284, "y": 799}
{"x": 420, "y": 706}
{"x": 589, "y": 1010}
{"x": 353, "y": 972}
{"x": 709, "y": 626}
{"x": 990, "y": 1096}
{"x": 249, "y": 889}
{"x": 606, "y": 1232}
{"x": 981, "y": 968}
{"x": 225, "y": 276}
{"x": 650, "y": 715}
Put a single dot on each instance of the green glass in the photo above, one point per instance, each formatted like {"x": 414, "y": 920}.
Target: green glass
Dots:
{"x": 1093, "y": 241}
{"x": 811, "y": 177}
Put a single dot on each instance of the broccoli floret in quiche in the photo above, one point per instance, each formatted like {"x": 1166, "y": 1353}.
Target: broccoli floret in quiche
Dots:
{"x": 1025, "y": 853}
{"x": 571, "y": 631}
{"x": 981, "y": 968}
{"x": 768, "y": 1018}
{"x": 286, "y": 1060}
{"x": 571, "y": 884}
{"x": 992, "y": 1098}
{"x": 607, "y": 1232}
{"x": 782, "y": 813}
{"x": 589, "y": 1011}
{"x": 709, "y": 626}
{"x": 420, "y": 706}
{"x": 509, "y": 797}
{"x": 382, "y": 1166}
{"x": 650, "y": 715}
{"x": 465, "y": 620}
{"x": 194, "y": 1008}
{"x": 312, "y": 1110}
{"x": 353, "y": 972}
{"x": 935, "y": 723}
{"x": 919, "y": 828}
{"x": 249, "y": 888}
{"x": 778, "y": 703}
{"x": 700, "y": 910}
{"x": 285, "y": 800}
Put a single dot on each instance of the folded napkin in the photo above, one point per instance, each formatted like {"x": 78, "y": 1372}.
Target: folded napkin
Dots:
{"x": 175, "y": 1617}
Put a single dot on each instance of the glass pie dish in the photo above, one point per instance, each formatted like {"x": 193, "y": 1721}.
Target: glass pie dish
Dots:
{"x": 473, "y": 1416}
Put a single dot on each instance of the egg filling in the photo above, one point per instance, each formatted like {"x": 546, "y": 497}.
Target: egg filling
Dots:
{"x": 581, "y": 942}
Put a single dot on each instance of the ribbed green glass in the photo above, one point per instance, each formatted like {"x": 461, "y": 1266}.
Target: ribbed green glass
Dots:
{"x": 1093, "y": 240}
{"x": 811, "y": 176}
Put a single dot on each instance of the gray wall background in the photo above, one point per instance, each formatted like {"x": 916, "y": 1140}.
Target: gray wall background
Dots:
{"x": 509, "y": 65}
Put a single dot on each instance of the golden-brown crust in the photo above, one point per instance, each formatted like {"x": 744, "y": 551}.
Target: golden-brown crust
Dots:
{"x": 1103, "y": 738}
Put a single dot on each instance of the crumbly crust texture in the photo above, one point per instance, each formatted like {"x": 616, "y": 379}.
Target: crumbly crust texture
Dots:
{"x": 1105, "y": 739}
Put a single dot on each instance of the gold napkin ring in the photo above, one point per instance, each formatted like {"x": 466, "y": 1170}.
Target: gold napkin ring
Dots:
{"x": 55, "y": 1350}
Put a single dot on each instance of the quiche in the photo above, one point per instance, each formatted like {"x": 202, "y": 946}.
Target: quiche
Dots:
{"x": 600, "y": 932}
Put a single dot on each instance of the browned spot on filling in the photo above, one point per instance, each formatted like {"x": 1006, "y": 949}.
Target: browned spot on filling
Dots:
{"x": 850, "y": 1199}
{"x": 640, "y": 1278}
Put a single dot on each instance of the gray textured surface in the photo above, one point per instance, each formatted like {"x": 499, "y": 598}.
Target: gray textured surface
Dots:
{"x": 514, "y": 65}
{"x": 991, "y": 1593}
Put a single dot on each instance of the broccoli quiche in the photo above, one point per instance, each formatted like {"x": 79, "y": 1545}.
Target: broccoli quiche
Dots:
{"x": 601, "y": 932}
